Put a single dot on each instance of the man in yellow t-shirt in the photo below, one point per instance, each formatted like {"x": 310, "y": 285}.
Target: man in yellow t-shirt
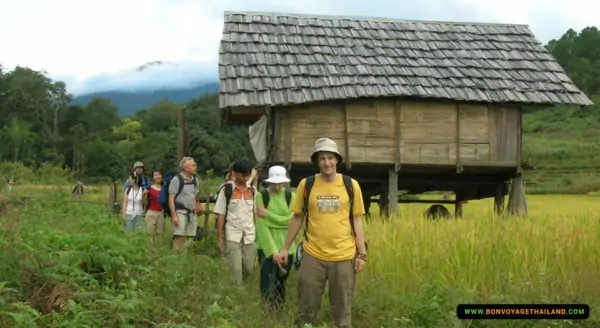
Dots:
{"x": 334, "y": 247}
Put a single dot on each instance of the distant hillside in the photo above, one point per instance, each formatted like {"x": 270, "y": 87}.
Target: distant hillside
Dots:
{"x": 131, "y": 102}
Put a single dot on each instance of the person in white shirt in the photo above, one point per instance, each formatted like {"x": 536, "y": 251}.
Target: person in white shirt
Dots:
{"x": 133, "y": 207}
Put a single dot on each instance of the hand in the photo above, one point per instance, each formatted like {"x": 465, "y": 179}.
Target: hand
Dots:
{"x": 359, "y": 265}
{"x": 175, "y": 219}
{"x": 220, "y": 246}
{"x": 261, "y": 211}
{"x": 198, "y": 208}
{"x": 145, "y": 191}
{"x": 281, "y": 258}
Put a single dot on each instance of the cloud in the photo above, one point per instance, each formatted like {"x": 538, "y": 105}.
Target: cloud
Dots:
{"x": 175, "y": 75}
{"x": 96, "y": 45}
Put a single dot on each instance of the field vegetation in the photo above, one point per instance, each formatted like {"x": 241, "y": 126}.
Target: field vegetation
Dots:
{"x": 69, "y": 264}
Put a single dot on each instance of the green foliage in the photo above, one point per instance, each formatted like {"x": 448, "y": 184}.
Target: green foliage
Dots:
{"x": 75, "y": 267}
{"x": 38, "y": 126}
{"x": 562, "y": 142}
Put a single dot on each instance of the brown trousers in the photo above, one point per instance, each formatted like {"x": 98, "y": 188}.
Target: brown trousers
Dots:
{"x": 312, "y": 276}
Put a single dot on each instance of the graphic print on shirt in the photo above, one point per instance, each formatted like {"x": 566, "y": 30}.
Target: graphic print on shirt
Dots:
{"x": 329, "y": 204}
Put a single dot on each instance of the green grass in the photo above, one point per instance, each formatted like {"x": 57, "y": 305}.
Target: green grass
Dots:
{"x": 418, "y": 271}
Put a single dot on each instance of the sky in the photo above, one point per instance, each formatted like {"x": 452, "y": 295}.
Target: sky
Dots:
{"x": 96, "y": 45}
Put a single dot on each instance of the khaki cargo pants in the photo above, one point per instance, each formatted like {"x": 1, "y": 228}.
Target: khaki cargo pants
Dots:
{"x": 241, "y": 259}
{"x": 311, "y": 284}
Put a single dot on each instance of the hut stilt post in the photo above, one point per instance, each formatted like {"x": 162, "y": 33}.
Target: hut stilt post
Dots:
{"x": 384, "y": 201}
{"x": 393, "y": 192}
{"x": 517, "y": 203}
{"x": 458, "y": 204}
{"x": 499, "y": 199}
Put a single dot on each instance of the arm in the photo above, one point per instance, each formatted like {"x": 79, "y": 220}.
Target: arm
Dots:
{"x": 359, "y": 211}
{"x": 145, "y": 199}
{"x": 276, "y": 217}
{"x": 265, "y": 239}
{"x": 297, "y": 218}
{"x": 220, "y": 209}
{"x": 293, "y": 229}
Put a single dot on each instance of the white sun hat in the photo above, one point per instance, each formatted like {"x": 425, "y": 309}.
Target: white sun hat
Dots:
{"x": 277, "y": 174}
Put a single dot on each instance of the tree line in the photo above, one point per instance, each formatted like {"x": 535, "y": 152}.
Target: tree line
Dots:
{"x": 38, "y": 123}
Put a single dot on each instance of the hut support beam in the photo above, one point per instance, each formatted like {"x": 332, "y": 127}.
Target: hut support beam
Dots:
{"x": 397, "y": 118}
{"x": 384, "y": 201}
{"x": 459, "y": 167}
{"x": 288, "y": 141}
{"x": 499, "y": 200}
{"x": 346, "y": 138}
{"x": 393, "y": 192}
{"x": 458, "y": 204}
{"x": 517, "y": 203}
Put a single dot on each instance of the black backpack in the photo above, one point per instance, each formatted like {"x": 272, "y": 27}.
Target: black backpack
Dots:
{"x": 266, "y": 196}
{"x": 310, "y": 181}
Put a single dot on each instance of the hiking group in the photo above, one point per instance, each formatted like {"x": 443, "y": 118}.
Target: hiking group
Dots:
{"x": 265, "y": 224}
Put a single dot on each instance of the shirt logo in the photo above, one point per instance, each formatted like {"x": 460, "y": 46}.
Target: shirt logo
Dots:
{"x": 328, "y": 204}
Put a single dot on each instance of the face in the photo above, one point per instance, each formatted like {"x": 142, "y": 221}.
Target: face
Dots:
{"x": 276, "y": 187}
{"x": 327, "y": 163}
{"x": 139, "y": 170}
{"x": 240, "y": 178}
{"x": 157, "y": 177}
{"x": 190, "y": 167}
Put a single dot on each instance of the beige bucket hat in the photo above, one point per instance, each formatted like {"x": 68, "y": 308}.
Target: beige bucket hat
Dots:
{"x": 138, "y": 164}
{"x": 326, "y": 145}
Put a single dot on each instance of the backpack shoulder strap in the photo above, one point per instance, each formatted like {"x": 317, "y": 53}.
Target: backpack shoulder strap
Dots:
{"x": 350, "y": 190}
{"x": 308, "y": 184}
{"x": 288, "y": 196}
{"x": 228, "y": 187}
{"x": 265, "y": 197}
{"x": 181, "y": 183}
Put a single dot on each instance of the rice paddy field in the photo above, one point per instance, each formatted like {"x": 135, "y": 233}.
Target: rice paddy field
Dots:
{"x": 417, "y": 273}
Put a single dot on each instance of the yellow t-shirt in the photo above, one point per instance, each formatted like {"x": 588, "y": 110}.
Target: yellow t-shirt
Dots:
{"x": 329, "y": 232}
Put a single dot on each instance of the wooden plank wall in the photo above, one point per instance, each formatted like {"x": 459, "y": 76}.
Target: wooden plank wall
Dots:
{"x": 428, "y": 131}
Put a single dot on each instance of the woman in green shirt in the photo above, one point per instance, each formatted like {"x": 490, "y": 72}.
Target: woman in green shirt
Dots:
{"x": 274, "y": 215}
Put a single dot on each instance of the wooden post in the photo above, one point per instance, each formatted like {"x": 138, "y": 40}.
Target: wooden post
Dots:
{"x": 459, "y": 168}
{"x": 384, "y": 201}
{"x": 116, "y": 203}
{"x": 499, "y": 199}
{"x": 397, "y": 119}
{"x": 520, "y": 137}
{"x": 346, "y": 138}
{"x": 393, "y": 192}
{"x": 288, "y": 141}
{"x": 458, "y": 204}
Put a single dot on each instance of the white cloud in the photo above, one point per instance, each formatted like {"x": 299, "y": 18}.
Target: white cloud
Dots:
{"x": 93, "y": 45}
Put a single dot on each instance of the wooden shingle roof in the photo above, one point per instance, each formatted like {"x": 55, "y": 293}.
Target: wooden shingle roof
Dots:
{"x": 282, "y": 59}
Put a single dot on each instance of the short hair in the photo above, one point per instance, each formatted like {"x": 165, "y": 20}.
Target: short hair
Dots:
{"x": 242, "y": 167}
{"x": 184, "y": 161}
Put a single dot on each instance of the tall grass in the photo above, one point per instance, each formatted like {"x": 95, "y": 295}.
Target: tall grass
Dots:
{"x": 418, "y": 271}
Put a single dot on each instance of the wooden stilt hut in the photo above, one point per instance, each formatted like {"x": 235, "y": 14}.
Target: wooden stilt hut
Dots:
{"x": 413, "y": 105}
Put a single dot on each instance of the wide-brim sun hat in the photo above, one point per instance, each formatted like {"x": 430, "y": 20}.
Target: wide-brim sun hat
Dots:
{"x": 325, "y": 145}
{"x": 277, "y": 174}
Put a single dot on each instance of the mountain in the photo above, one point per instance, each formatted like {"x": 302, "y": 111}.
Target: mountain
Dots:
{"x": 129, "y": 102}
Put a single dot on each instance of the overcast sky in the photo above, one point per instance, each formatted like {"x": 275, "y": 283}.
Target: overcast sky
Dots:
{"x": 92, "y": 44}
